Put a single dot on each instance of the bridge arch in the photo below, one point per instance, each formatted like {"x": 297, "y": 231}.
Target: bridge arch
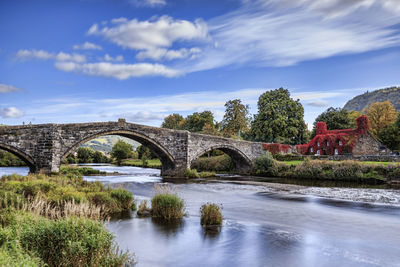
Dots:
{"x": 242, "y": 162}
{"x": 22, "y": 155}
{"x": 165, "y": 157}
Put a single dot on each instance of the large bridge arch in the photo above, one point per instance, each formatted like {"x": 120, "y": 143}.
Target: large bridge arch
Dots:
{"x": 162, "y": 153}
{"x": 20, "y": 154}
{"x": 242, "y": 162}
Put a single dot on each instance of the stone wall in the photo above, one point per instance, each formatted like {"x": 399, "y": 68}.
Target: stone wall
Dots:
{"x": 367, "y": 145}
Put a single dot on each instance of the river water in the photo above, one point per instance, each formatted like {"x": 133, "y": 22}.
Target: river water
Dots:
{"x": 265, "y": 224}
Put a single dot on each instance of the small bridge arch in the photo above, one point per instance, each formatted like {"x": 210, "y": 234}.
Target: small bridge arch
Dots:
{"x": 20, "y": 154}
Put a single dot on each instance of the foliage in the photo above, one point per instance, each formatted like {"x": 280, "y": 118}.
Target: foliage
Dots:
{"x": 353, "y": 115}
{"x": 121, "y": 150}
{"x": 335, "y": 118}
{"x": 79, "y": 171}
{"x": 288, "y": 157}
{"x": 279, "y": 116}
{"x": 36, "y": 241}
{"x": 361, "y": 101}
{"x": 173, "y": 121}
{"x": 197, "y": 121}
{"x": 167, "y": 205}
{"x": 207, "y": 174}
{"x": 236, "y": 118}
{"x": 222, "y": 163}
{"x": 210, "y": 129}
{"x": 265, "y": 166}
{"x": 390, "y": 136}
{"x": 381, "y": 115}
{"x": 151, "y": 163}
{"x": 144, "y": 150}
{"x": 143, "y": 209}
{"x": 85, "y": 154}
{"x": 9, "y": 160}
{"x": 211, "y": 214}
{"x": 190, "y": 173}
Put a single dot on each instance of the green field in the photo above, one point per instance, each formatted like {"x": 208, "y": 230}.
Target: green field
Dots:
{"x": 151, "y": 163}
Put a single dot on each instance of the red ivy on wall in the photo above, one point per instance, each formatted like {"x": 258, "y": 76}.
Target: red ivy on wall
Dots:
{"x": 327, "y": 141}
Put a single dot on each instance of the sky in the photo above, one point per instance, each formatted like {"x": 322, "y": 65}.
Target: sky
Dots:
{"x": 100, "y": 60}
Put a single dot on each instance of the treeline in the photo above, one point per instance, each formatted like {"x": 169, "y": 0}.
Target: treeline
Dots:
{"x": 280, "y": 119}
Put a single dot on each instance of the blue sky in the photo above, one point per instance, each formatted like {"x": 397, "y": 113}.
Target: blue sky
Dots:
{"x": 99, "y": 60}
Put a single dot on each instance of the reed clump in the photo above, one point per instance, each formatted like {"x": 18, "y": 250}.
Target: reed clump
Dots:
{"x": 166, "y": 204}
{"x": 211, "y": 214}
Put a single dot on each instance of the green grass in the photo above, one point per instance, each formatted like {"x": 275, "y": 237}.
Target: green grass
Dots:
{"x": 210, "y": 214}
{"x": 31, "y": 240}
{"x": 297, "y": 162}
{"x": 151, "y": 163}
{"x": 80, "y": 171}
{"x": 167, "y": 205}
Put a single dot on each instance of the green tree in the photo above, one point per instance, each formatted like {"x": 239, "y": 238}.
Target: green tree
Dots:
{"x": 279, "y": 116}
{"x": 197, "y": 121}
{"x": 99, "y": 157}
{"x": 173, "y": 121}
{"x": 145, "y": 151}
{"x": 85, "y": 154}
{"x": 236, "y": 118}
{"x": 397, "y": 122}
{"x": 121, "y": 150}
{"x": 353, "y": 115}
{"x": 335, "y": 118}
{"x": 381, "y": 115}
{"x": 390, "y": 137}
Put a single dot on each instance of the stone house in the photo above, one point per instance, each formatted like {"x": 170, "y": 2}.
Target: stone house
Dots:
{"x": 357, "y": 142}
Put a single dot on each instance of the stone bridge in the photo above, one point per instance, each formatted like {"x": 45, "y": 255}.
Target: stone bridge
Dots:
{"x": 44, "y": 146}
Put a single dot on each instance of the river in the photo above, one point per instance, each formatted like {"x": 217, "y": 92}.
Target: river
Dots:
{"x": 265, "y": 224}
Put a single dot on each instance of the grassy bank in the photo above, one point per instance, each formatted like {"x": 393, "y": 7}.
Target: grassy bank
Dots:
{"x": 9, "y": 160}
{"x": 151, "y": 163}
{"x": 220, "y": 164}
{"x": 329, "y": 170}
{"x": 55, "y": 220}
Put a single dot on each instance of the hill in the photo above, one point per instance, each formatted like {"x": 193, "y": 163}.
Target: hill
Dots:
{"x": 105, "y": 143}
{"x": 361, "y": 101}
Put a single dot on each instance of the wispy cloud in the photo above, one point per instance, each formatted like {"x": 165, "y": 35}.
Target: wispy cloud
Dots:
{"x": 5, "y": 88}
{"x": 44, "y": 55}
{"x": 87, "y": 46}
{"x": 149, "y": 3}
{"x": 11, "y": 112}
{"x": 118, "y": 71}
{"x": 318, "y": 103}
{"x": 165, "y": 54}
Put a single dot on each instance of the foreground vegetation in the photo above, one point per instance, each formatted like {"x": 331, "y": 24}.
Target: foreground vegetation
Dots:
{"x": 323, "y": 169}
{"x": 147, "y": 163}
{"x": 56, "y": 220}
{"x": 210, "y": 214}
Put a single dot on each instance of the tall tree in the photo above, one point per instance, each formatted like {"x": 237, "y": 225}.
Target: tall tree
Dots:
{"x": 279, "y": 116}
{"x": 353, "y": 115}
{"x": 236, "y": 118}
{"x": 381, "y": 115}
{"x": 390, "y": 137}
{"x": 335, "y": 118}
{"x": 197, "y": 121}
{"x": 173, "y": 121}
{"x": 121, "y": 150}
{"x": 85, "y": 154}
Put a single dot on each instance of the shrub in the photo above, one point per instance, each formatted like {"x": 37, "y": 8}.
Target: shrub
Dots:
{"x": 211, "y": 214}
{"x": 222, "y": 163}
{"x": 123, "y": 197}
{"x": 265, "y": 166}
{"x": 143, "y": 210}
{"x": 190, "y": 173}
{"x": 167, "y": 205}
{"x": 104, "y": 199}
{"x": 288, "y": 157}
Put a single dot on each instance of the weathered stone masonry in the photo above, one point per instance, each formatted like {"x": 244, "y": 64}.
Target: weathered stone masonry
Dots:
{"x": 44, "y": 146}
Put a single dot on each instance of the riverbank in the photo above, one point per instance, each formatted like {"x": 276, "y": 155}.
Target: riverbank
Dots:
{"x": 57, "y": 220}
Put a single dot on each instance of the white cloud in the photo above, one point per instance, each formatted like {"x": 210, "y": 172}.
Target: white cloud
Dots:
{"x": 151, "y": 34}
{"x": 118, "y": 58}
{"x": 44, "y": 55}
{"x": 283, "y": 33}
{"x": 165, "y": 54}
{"x": 87, "y": 46}
{"x": 11, "y": 112}
{"x": 318, "y": 103}
{"x": 149, "y": 3}
{"x": 141, "y": 116}
{"x": 118, "y": 71}
{"x": 5, "y": 88}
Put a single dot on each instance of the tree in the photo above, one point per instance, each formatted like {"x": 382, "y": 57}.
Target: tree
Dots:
{"x": 381, "y": 115}
{"x": 390, "y": 137}
{"x": 145, "y": 151}
{"x": 397, "y": 123}
{"x": 173, "y": 121}
{"x": 85, "y": 154}
{"x": 335, "y": 118}
{"x": 121, "y": 150}
{"x": 99, "y": 157}
{"x": 279, "y": 116}
{"x": 196, "y": 121}
{"x": 210, "y": 130}
{"x": 353, "y": 115}
{"x": 236, "y": 118}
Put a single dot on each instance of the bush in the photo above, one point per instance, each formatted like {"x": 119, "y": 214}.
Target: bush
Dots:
{"x": 123, "y": 197}
{"x": 211, "y": 214}
{"x": 288, "y": 157}
{"x": 167, "y": 205}
{"x": 143, "y": 210}
{"x": 222, "y": 163}
{"x": 265, "y": 166}
{"x": 190, "y": 173}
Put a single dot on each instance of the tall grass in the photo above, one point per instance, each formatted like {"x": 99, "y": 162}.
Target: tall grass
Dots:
{"x": 211, "y": 214}
{"x": 166, "y": 204}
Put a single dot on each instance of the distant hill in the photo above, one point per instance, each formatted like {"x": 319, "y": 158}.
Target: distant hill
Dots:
{"x": 361, "y": 101}
{"x": 105, "y": 143}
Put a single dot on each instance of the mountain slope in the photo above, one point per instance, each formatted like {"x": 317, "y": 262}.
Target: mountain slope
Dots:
{"x": 359, "y": 102}
{"x": 105, "y": 143}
